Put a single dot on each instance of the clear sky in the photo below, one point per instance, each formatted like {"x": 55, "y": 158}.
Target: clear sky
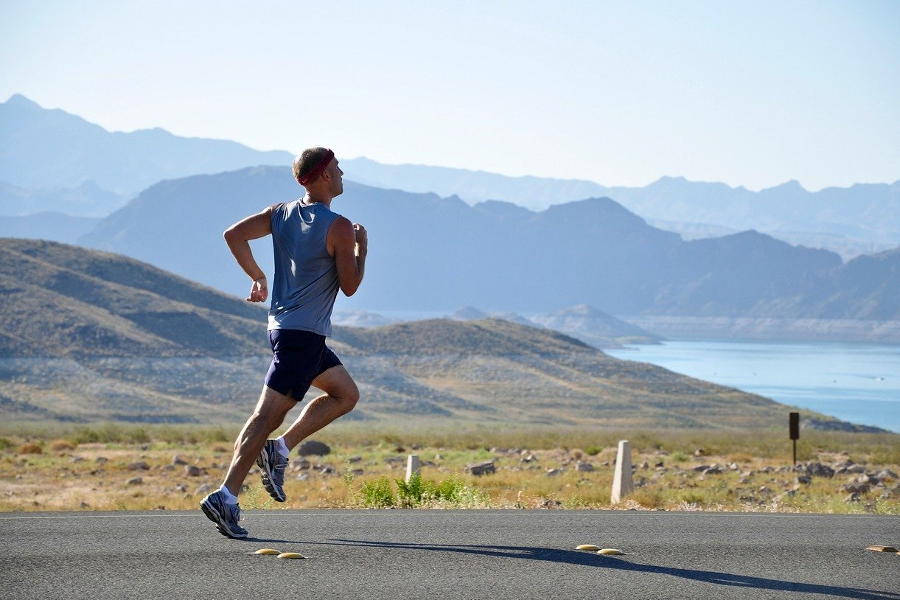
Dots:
{"x": 749, "y": 93}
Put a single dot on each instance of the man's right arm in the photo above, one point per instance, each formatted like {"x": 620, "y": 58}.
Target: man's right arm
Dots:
{"x": 238, "y": 238}
{"x": 348, "y": 244}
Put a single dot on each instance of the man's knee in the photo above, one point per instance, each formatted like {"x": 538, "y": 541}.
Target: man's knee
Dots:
{"x": 347, "y": 397}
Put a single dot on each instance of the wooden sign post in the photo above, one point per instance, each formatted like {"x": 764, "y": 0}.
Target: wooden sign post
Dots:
{"x": 794, "y": 426}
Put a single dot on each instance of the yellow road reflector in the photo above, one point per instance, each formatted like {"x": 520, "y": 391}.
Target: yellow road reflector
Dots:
{"x": 587, "y": 547}
{"x": 290, "y": 555}
{"x": 610, "y": 552}
{"x": 267, "y": 551}
{"x": 882, "y": 549}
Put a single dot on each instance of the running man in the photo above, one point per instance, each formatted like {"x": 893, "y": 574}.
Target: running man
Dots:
{"x": 317, "y": 252}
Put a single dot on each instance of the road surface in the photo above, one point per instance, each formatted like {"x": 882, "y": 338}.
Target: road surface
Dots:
{"x": 449, "y": 554}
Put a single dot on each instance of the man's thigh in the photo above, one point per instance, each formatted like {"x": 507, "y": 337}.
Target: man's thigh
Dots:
{"x": 337, "y": 383}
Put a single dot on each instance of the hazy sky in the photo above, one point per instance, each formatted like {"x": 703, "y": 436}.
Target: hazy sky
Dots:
{"x": 749, "y": 93}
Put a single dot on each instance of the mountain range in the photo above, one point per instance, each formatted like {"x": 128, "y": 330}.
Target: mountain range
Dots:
{"x": 433, "y": 253}
{"x": 862, "y": 218}
{"x": 51, "y": 149}
{"x": 94, "y": 336}
{"x": 100, "y": 170}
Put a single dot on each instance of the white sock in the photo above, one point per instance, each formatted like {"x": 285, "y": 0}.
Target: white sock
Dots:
{"x": 229, "y": 497}
{"x": 282, "y": 447}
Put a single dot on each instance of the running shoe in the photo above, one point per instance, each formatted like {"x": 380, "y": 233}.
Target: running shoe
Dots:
{"x": 224, "y": 515}
{"x": 271, "y": 467}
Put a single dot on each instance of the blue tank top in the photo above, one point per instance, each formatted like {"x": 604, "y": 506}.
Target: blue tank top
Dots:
{"x": 306, "y": 281}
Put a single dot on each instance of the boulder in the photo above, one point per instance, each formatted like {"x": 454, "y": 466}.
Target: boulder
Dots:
{"x": 313, "y": 448}
{"x": 815, "y": 469}
{"x": 204, "y": 489}
{"x": 482, "y": 468}
{"x": 192, "y": 471}
{"x": 139, "y": 466}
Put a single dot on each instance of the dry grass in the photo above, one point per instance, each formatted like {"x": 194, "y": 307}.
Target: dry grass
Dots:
{"x": 93, "y": 475}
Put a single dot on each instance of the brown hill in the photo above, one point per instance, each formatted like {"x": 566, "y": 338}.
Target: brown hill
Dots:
{"x": 87, "y": 336}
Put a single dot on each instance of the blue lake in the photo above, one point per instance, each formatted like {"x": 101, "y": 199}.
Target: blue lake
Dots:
{"x": 859, "y": 383}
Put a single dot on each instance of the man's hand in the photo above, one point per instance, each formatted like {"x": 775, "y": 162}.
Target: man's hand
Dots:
{"x": 258, "y": 291}
{"x": 362, "y": 238}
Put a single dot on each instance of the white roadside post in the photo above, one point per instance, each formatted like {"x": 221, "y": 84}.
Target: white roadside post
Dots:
{"x": 412, "y": 466}
{"x": 622, "y": 484}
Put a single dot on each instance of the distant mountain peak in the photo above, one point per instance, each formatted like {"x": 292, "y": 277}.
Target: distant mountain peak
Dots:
{"x": 792, "y": 185}
{"x": 21, "y": 101}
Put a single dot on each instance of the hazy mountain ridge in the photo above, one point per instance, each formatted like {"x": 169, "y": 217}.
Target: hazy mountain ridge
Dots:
{"x": 859, "y": 219}
{"x": 124, "y": 163}
{"x": 432, "y": 253}
{"x": 489, "y": 371}
{"x": 855, "y": 219}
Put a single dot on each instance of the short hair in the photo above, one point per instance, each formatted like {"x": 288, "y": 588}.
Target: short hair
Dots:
{"x": 307, "y": 160}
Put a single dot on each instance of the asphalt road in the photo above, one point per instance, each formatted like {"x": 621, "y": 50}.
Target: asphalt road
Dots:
{"x": 449, "y": 554}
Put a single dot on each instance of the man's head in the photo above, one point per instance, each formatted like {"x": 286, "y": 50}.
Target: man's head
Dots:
{"x": 317, "y": 170}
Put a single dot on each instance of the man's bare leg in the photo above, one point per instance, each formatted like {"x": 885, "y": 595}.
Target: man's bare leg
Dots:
{"x": 341, "y": 395}
{"x": 266, "y": 418}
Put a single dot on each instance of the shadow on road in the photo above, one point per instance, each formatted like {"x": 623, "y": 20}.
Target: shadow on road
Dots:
{"x": 597, "y": 560}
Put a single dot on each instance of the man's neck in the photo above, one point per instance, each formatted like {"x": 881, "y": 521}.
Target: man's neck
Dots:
{"x": 317, "y": 199}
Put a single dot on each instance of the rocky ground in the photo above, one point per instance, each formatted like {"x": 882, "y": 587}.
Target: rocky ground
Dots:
{"x": 62, "y": 475}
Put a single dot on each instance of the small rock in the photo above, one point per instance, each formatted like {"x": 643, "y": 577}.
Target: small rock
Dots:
{"x": 303, "y": 476}
{"x": 139, "y": 466}
{"x": 168, "y": 467}
{"x": 354, "y": 459}
{"x": 645, "y": 465}
{"x": 855, "y": 488}
{"x": 744, "y": 480}
{"x": 855, "y": 469}
{"x": 77, "y": 459}
{"x": 356, "y": 472}
{"x": 85, "y": 504}
{"x": 100, "y": 460}
{"x": 733, "y": 467}
{"x": 554, "y": 472}
{"x": 702, "y": 468}
{"x": 804, "y": 479}
{"x": 886, "y": 474}
{"x": 713, "y": 470}
{"x": 178, "y": 460}
{"x": 548, "y": 503}
{"x": 482, "y": 468}
{"x": 192, "y": 471}
{"x": 815, "y": 469}
{"x": 135, "y": 481}
{"x": 204, "y": 489}
{"x": 584, "y": 467}
{"x": 181, "y": 488}
{"x": 397, "y": 449}
{"x": 700, "y": 452}
{"x": 854, "y": 497}
{"x": 528, "y": 458}
{"x": 314, "y": 448}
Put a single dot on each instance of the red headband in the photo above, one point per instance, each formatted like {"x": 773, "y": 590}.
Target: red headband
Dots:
{"x": 317, "y": 170}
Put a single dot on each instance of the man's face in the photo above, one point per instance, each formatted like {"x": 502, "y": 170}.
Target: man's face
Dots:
{"x": 337, "y": 184}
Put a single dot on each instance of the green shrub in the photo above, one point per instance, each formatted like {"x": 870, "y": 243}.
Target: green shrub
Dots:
{"x": 410, "y": 494}
{"x": 679, "y": 456}
{"x": 5, "y": 443}
{"x": 377, "y": 493}
{"x": 593, "y": 450}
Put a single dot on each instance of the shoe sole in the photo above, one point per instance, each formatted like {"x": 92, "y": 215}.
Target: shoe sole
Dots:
{"x": 213, "y": 516}
{"x": 262, "y": 462}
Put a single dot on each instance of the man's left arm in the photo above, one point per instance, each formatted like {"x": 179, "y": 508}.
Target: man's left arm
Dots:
{"x": 238, "y": 238}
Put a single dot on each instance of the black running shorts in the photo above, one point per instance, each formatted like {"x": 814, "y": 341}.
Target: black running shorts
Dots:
{"x": 298, "y": 358}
